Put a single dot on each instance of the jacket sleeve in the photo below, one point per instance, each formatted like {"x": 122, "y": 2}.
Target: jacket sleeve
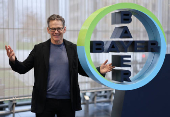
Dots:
{"x": 25, "y": 66}
{"x": 83, "y": 73}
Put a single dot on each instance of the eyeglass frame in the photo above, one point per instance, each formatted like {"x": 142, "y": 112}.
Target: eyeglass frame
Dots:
{"x": 56, "y": 29}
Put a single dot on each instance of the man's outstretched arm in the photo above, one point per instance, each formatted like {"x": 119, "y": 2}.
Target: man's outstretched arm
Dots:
{"x": 20, "y": 67}
{"x": 103, "y": 69}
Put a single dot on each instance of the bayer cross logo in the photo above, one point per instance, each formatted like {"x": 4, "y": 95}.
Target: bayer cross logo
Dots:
{"x": 155, "y": 46}
{"x": 122, "y": 17}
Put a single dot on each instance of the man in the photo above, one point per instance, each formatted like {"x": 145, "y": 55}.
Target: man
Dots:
{"x": 56, "y": 68}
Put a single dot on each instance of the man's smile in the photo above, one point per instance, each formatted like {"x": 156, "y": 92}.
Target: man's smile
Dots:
{"x": 56, "y": 35}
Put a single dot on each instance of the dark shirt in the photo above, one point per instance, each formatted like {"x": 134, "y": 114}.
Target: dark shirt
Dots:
{"x": 58, "y": 86}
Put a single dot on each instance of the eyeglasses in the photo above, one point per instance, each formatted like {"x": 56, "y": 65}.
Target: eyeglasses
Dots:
{"x": 54, "y": 29}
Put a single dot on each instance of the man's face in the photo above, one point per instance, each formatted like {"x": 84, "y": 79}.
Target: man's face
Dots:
{"x": 56, "y": 30}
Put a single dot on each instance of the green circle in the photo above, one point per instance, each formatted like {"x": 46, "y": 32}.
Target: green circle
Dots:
{"x": 91, "y": 22}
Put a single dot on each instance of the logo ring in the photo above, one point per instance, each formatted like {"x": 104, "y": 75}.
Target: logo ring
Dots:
{"x": 155, "y": 59}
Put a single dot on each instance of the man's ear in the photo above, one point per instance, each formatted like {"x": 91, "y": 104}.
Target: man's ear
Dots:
{"x": 64, "y": 29}
{"x": 48, "y": 30}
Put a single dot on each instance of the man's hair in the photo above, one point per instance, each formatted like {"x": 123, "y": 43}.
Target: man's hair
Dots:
{"x": 55, "y": 17}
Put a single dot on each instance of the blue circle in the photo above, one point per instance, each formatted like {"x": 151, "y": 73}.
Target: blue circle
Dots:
{"x": 151, "y": 67}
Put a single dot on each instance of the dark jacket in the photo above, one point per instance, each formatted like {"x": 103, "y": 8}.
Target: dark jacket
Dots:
{"x": 39, "y": 59}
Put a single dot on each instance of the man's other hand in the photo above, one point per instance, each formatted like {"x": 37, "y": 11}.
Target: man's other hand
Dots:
{"x": 10, "y": 53}
{"x": 104, "y": 68}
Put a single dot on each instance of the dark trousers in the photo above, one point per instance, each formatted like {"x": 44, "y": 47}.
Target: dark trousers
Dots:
{"x": 59, "y": 107}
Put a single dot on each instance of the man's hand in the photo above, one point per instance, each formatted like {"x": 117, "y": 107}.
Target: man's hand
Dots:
{"x": 10, "y": 53}
{"x": 104, "y": 68}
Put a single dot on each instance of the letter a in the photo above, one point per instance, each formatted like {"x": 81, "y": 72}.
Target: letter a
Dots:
{"x": 121, "y": 32}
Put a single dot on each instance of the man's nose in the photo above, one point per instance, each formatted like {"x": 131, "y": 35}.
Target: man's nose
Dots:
{"x": 56, "y": 31}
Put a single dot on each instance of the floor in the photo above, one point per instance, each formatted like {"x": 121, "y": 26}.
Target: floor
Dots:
{"x": 95, "y": 110}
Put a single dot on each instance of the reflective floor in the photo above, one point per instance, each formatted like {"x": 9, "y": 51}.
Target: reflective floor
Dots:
{"x": 95, "y": 110}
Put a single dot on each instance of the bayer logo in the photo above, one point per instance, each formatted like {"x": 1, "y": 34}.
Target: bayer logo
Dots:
{"x": 122, "y": 45}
